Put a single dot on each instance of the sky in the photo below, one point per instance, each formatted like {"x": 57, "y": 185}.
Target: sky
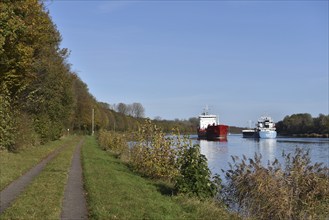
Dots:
{"x": 243, "y": 59}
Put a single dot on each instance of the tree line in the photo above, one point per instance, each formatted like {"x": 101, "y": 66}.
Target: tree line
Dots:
{"x": 135, "y": 109}
{"x": 41, "y": 98}
{"x": 304, "y": 124}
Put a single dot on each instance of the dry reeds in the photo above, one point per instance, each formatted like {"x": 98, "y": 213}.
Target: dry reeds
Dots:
{"x": 297, "y": 190}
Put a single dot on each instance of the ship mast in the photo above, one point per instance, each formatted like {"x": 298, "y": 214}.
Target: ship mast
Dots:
{"x": 206, "y": 109}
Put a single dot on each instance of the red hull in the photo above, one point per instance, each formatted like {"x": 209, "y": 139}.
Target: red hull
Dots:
{"x": 213, "y": 132}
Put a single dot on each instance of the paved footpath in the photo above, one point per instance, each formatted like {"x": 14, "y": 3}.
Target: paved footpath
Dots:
{"x": 9, "y": 194}
{"x": 74, "y": 203}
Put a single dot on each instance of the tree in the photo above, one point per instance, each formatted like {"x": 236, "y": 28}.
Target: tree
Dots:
{"x": 7, "y": 123}
{"x": 303, "y": 124}
{"x": 321, "y": 124}
{"x": 33, "y": 69}
{"x": 122, "y": 108}
{"x": 138, "y": 110}
{"x": 84, "y": 103}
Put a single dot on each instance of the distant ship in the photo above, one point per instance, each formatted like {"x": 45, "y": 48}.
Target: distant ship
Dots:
{"x": 210, "y": 129}
{"x": 250, "y": 133}
{"x": 265, "y": 128}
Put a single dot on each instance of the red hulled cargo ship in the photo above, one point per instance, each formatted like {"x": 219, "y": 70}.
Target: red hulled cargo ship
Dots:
{"x": 210, "y": 129}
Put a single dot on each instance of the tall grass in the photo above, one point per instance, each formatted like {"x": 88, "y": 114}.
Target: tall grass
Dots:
{"x": 296, "y": 190}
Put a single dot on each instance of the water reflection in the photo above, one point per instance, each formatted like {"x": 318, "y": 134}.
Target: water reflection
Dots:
{"x": 219, "y": 153}
{"x": 267, "y": 147}
{"x": 216, "y": 152}
{"x": 213, "y": 149}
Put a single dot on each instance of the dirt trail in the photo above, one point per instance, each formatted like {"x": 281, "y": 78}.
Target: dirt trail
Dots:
{"x": 9, "y": 194}
{"x": 74, "y": 203}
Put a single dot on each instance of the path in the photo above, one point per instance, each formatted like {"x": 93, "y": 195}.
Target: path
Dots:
{"x": 74, "y": 202}
{"x": 9, "y": 194}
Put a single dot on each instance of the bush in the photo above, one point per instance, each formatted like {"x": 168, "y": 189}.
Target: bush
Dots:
{"x": 153, "y": 154}
{"x": 297, "y": 191}
{"x": 112, "y": 141}
{"x": 195, "y": 177}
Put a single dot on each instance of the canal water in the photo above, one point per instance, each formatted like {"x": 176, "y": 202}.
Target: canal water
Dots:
{"x": 219, "y": 153}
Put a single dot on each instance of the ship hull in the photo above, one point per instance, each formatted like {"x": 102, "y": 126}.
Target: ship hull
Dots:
{"x": 202, "y": 134}
{"x": 214, "y": 132}
{"x": 267, "y": 134}
{"x": 250, "y": 134}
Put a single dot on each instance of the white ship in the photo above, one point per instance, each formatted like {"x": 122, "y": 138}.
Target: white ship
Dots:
{"x": 266, "y": 128}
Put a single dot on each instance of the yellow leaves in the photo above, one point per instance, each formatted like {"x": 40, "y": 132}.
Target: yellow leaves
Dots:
{"x": 113, "y": 142}
{"x": 154, "y": 154}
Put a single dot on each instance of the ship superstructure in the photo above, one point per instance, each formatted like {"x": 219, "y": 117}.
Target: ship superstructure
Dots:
{"x": 266, "y": 128}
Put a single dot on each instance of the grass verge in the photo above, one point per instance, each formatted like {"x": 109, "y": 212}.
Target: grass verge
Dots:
{"x": 115, "y": 192}
{"x": 14, "y": 165}
{"x": 43, "y": 197}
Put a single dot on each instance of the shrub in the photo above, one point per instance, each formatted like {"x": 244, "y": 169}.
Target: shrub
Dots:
{"x": 112, "y": 141}
{"x": 153, "y": 154}
{"x": 195, "y": 177}
{"x": 297, "y": 191}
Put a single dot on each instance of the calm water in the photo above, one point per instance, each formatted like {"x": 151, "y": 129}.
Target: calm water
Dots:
{"x": 219, "y": 153}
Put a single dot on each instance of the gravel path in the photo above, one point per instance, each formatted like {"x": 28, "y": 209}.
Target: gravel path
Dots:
{"x": 9, "y": 194}
{"x": 74, "y": 202}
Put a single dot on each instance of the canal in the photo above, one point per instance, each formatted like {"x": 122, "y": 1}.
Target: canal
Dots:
{"x": 219, "y": 153}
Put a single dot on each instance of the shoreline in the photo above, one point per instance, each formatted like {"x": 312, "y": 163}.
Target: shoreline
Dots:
{"x": 313, "y": 135}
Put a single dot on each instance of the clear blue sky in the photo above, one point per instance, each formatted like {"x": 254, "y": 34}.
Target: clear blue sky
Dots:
{"x": 242, "y": 58}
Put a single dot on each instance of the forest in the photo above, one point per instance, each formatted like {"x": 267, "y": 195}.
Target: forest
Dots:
{"x": 41, "y": 98}
{"x": 304, "y": 124}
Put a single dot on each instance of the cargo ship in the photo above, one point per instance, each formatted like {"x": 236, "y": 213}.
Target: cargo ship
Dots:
{"x": 265, "y": 128}
{"x": 210, "y": 129}
{"x": 250, "y": 133}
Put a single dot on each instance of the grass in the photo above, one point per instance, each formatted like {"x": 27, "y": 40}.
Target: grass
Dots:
{"x": 43, "y": 197}
{"x": 115, "y": 192}
{"x": 14, "y": 165}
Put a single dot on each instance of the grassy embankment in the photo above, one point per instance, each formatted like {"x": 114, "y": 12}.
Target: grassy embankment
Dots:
{"x": 42, "y": 199}
{"x": 115, "y": 192}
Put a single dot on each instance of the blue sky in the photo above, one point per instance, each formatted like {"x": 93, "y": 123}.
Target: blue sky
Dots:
{"x": 243, "y": 59}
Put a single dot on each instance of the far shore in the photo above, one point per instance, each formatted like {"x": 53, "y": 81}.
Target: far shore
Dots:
{"x": 313, "y": 135}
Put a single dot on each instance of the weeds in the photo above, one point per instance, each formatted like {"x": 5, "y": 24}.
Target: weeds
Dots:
{"x": 298, "y": 190}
